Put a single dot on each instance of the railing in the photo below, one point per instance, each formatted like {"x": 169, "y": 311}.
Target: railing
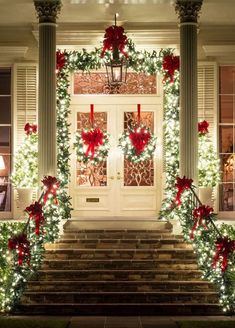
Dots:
{"x": 22, "y": 244}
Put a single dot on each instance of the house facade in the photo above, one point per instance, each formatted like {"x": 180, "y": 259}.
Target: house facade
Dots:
{"x": 116, "y": 188}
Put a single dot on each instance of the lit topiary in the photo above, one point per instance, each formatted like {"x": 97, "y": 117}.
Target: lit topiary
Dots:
{"x": 25, "y": 174}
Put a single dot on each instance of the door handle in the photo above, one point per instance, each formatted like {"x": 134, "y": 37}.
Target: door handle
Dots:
{"x": 111, "y": 178}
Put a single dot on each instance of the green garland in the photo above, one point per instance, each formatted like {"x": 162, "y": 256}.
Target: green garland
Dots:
{"x": 150, "y": 63}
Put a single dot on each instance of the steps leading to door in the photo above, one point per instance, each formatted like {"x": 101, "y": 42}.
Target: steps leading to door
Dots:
{"x": 119, "y": 271}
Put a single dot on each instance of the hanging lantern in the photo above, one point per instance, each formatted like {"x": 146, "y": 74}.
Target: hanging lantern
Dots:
{"x": 115, "y": 40}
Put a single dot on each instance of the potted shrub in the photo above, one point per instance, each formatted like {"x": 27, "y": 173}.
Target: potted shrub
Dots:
{"x": 25, "y": 175}
{"x": 208, "y": 165}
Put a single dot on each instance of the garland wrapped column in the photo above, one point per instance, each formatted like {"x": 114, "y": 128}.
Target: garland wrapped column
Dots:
{"x": 47, "y": 13}
{"x": 188, "y": 13}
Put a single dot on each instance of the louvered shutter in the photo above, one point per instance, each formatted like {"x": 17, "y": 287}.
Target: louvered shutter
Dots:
{"x": 25, "y": 100}
{"x": 207, "y": 96}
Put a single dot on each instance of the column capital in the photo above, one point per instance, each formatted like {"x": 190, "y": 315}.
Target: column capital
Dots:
{"x": 188, "y": 10}
{"x": 47, "y": 11}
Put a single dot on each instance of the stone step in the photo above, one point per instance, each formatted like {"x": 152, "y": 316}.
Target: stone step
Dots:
{"x": 119, "y": 235}
{"x": 111, "y": 275}
{"x": 135, "y": 309}
{"x": 177, "y": 264}
{"x": 163, "y": 254}
{"x": 119, "y": 297}
{"x": 119, "y": 286}
{"x": 118, "y": 244}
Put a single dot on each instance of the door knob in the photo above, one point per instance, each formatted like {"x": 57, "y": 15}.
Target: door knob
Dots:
{"x": 112, "y": 177}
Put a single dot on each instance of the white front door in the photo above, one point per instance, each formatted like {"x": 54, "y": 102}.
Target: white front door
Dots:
{"x": 116, "y": 187}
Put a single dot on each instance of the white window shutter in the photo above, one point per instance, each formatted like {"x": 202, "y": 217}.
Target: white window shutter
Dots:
{"x": 207, "y": 96}
{"x": 25, "y": 99}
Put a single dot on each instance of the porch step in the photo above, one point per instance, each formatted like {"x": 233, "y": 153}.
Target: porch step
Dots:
{"x": 97, "y": 272}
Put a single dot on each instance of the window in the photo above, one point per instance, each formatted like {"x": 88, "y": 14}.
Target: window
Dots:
{"x": 5, "y": 139}
{"x": 227, "y": 137}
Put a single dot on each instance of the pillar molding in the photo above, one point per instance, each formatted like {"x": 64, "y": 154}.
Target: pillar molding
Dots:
{"x": 188, "y": 12}
{"x": 47, "y": 12}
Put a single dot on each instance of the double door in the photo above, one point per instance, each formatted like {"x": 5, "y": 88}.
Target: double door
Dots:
{"x": 116, "y": 187}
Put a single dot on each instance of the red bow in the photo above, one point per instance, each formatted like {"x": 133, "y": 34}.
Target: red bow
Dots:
{"x": 92, "y": 139}
{"x": 182, "y": 185}
{"x": 20, "y": 243}
{"x": 114, "y": 38}
{"x": 60, "y": 60}
{"x": 30, "y": 128}
{"x": 170, "y": 65}
{"x": 35, "y": 212}
{"x": 51, "y": 184}
{"x": 139, "y": 139}
{"x": 224, "y": 246}
{"x": 201, "y": 213}
{"x": 203, "y": 127}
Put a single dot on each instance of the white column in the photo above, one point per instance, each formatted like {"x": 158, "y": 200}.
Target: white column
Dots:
{"x": 188, "y": 13}
{"x": 47, "y": 13}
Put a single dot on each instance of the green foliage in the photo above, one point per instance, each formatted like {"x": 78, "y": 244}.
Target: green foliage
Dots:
{"x": 208, "y": 163}
{"x": 25, "y": 174}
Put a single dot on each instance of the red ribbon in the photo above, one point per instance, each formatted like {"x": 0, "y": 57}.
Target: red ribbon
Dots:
{"x": 114, "y": 38}
{"x": 52, "y": 185}
{"x": 30, "y": 128}
{"x": 224, "y": 246}
{"x": 203, "y": 127}
{"x": 139, "y": 138}
{"x": 170, "y": 65}
{"x": 92, "y": 114}
{"x": 182, "y": 184}
{"x": 92, "y": 139}
{"x": 60, "y": 60}
{"x": 36, "y": 213}
{"x": 201, "y": 213}
{"x": 21, "y": 243}
{"x": 138, "y": 112}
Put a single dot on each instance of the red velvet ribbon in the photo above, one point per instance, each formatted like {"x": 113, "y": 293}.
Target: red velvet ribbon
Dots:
{"x": 138, "y": 112}
{"x": 30, "y": 128}
{"x": 92, "y": 114}
{"x": 139, "y": 138}
{"x": 224, "y": 246}
{"x": 52, "y": 185}
{"x": 182, "y": 184}
{"x": 36, "y": 213}
{"x": 170, "y": 65}
{"x": 21, "y": 243}
{"x": 92, "y": 139}
{"x": 200, "y": 214}
{"x": 114, "y": 38}
{"x": 60, "y": 60}
{"x": 203, "y": 127}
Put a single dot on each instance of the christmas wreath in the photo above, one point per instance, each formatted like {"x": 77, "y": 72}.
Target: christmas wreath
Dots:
{"x": 92, "y": 145}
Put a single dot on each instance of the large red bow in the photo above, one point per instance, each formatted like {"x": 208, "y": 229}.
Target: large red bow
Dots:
{"x": 170, "y": 65}
{"x": 114, "y": 38}
{"x": 201, "y": 213}
{"x": 60, "y": 60}
{"x": 224, "y": 246}
{"x": 92, "y": 139}
{"x": 36, "y": 213}
{"x": 52, "y": 185}
{"x": 20, "y": 243}
{"x": 30, "y": 128}
{"x": 203, "y": 127}
{"x": 182, "y": 184}
{"x": 139, "y": 138}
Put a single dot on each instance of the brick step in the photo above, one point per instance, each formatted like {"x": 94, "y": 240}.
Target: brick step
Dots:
{"x": 119, "y": 235}
{"x": 119, "y": 286}
{"x": 118, "y": 244}
{"x": 120, "y": 254}
{"x": 119, "y": 297}
{"x": 110, "y": 275}
{"x": 135, "y": 309}
{"x": 167, "y": 264}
